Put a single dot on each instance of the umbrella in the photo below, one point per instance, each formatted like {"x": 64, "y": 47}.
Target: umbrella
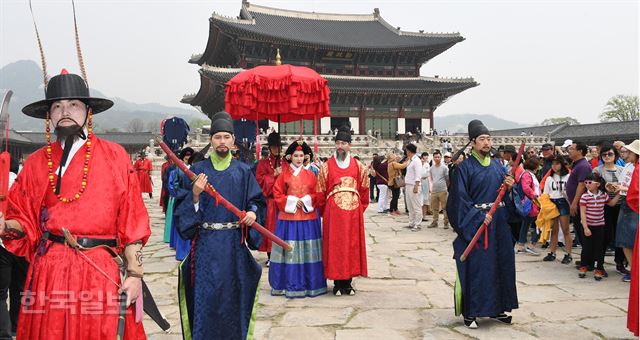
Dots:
{"x": 282, "y": 93}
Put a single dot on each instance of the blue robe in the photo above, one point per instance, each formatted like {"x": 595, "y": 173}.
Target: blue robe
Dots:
{"x": 487, "y": 279}
{"x": 181, "y": 244}
{"x": 218, "y": 286}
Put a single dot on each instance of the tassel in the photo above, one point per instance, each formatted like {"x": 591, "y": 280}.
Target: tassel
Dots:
{"x": 257, "y": 141}
{"x": 193, "y": 259}
{"x": 315, "y": 137}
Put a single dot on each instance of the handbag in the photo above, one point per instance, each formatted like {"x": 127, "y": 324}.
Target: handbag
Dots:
{"x": 398, "y": 182}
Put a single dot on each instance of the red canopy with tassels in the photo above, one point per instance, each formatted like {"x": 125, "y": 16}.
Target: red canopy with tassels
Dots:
{"x": 284, "y": 93}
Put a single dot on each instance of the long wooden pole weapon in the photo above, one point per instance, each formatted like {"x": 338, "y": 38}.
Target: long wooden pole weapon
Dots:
{"x": 209, "y": 189}
{"x": 503, "y": 190}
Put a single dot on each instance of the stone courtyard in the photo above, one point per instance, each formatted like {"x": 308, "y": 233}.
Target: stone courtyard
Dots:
{"x": 409, "y": 294}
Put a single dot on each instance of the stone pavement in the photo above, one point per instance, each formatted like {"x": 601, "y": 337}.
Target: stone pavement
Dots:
{"x": 409, "y": 294}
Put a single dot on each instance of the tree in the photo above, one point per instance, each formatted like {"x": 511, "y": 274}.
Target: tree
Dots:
{"x": 621, "y": 108}
{"x": 153, "y": 126}
{"x": 135, "y": 125}
{"x": 197, "y": 123}
{"x": 560, "y": 120}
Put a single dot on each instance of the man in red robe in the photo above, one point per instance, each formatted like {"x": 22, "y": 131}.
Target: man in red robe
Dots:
{"x": 88, "y": 186}
{"x": 343, "y": 186}
{"x": 267, "y": 171}
{"x": 143, "y": 168}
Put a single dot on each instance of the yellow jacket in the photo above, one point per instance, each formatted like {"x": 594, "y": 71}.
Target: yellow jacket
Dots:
{"x": 548, "y": 212}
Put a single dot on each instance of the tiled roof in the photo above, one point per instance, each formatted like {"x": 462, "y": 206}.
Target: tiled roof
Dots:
{"x": 342, "y": 84}
{"x": 589, "y": 133}
{"x": 346, "y": 31}
{"x": 622, "y": 129}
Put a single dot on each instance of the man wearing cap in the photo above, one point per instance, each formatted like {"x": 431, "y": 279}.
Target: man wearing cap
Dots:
{"x": 219, "y": 279}
{"x": 547, "y": 159}
{"x": 85, "y": 185}
{"x": 343, "y": 196}
{"x": 267, "y": 171}
{"x": 143, "y": 168}
{"x": 486, "y": 281}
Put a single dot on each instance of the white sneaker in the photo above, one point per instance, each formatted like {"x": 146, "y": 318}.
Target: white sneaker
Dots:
{"x": 531, "y": 251}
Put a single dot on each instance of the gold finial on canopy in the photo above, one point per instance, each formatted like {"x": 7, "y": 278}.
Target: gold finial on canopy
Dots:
{"x": 278, "y": 59}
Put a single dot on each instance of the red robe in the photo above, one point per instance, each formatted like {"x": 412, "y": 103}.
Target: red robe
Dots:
{"x": 343, "y": 198}
{"x": 266, "y": 180}
{"x": 70, "y": 298}
{"x": 143, "y": 168}
{"x": 632, "y": 315}
{"x": 298, "y": 186}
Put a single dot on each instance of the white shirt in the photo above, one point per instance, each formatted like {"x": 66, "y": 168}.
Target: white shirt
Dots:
{"x": 555, "y": 186}
{"x": 625, "y": 177}
{"x": 77, "y": 144}
{"x": 414, "y": 171}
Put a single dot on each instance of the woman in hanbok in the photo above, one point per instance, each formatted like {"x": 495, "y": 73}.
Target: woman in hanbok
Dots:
{"x": 297, "y": 273}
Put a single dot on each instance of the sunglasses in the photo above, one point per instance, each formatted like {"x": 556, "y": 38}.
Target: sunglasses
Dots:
{"x": 608, "y": 154}
{"x": 590, "y": 182}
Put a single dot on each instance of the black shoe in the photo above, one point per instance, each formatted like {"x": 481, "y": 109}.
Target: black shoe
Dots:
{"x": 349, "y": 291}
{"x": 560, "y": 245}
{"x": 337, "y": 291}
{"x": 621, "y": 269}
{"x": 545, "y": 245}
{"x": 550, "y": 257}
{"x": 504, "y": 318}
{"x": 566, "y": 259}
{"x": 471, "y": 323}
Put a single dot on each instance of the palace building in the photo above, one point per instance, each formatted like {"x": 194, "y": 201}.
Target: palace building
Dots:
{"x": 373, "y": 68}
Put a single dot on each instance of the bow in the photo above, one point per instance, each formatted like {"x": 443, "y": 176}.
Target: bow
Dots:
{"x": 5, "y": 157}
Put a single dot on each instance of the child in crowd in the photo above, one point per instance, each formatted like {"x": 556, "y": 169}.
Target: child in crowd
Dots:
{"x": 555, "y": 186}
{"x": 592, "y": 217}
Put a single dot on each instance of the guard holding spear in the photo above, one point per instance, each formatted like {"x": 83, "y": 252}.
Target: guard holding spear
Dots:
{"x": 486, "y": 280}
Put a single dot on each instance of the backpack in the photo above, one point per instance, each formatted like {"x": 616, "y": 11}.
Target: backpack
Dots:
{"x": 524, "y": 205}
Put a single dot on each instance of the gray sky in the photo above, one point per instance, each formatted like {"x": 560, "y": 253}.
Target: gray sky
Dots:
{"x": 535, "y": 59}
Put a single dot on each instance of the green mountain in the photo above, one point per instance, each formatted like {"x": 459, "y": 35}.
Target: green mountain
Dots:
{"x": 24, "y": 77}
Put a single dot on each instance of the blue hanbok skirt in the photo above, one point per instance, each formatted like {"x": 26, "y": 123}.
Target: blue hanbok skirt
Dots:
{"x": 298, "y": 273}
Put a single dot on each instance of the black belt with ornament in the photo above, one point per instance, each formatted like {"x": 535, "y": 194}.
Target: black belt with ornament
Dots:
{"x": 85, "y": 242}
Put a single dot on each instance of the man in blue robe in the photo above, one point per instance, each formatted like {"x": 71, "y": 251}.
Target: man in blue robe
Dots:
{"x": 219, "y": 279}
{"x": 486, "y": 281}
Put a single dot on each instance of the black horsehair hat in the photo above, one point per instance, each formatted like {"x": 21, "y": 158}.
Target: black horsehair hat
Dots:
{"x": 344, "y": 133}
{"x": 274, "y": 139}
{"x": 66, "y": 86}
{"x": 477, "y": 128}
{"x": 221, "y": 122}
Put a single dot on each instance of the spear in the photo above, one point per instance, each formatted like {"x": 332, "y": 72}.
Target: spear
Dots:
{"x": 209, "y": 189}
{"x": 503, "y": 190}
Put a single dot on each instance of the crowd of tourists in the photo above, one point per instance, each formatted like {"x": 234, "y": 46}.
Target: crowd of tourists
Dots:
{"x": 577, "y": 195}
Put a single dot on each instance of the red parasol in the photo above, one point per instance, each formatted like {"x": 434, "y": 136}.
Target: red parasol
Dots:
{"x": 282, "y": 93}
